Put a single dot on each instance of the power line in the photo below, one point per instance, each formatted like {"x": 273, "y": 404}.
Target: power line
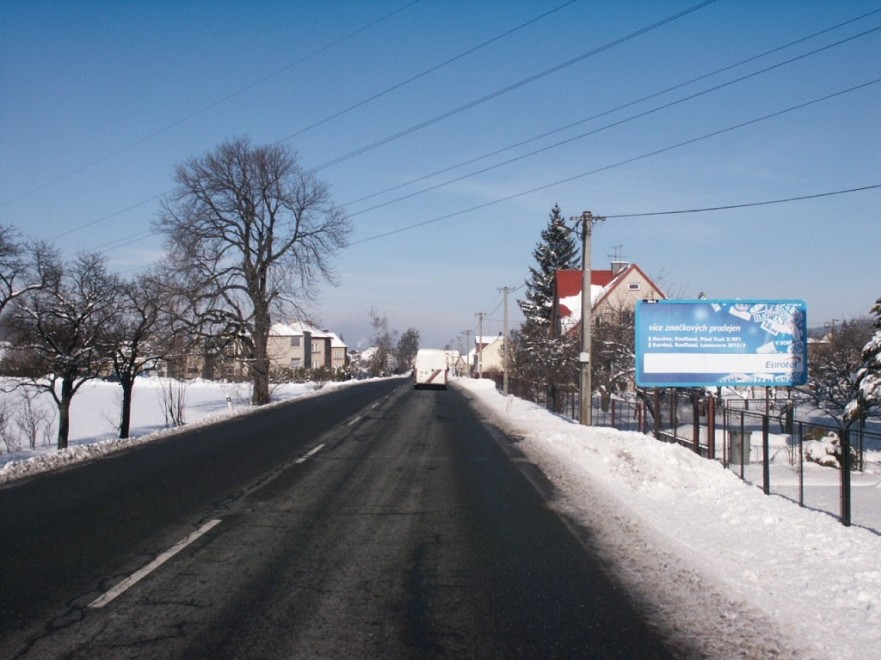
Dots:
{"x": 110, "y": 215}
{"x": 612, "y": 110}
{"x": 624, "y": 162}
{"x": 618, "y": 164}
{"x": 208, "y": 107}
{"x": 747, "y": 204}
{"x": 615, "y": 124}
{"x": 510, "y": 88}
{"x": 323, "y": 121}
{"x": 424, "y": 73}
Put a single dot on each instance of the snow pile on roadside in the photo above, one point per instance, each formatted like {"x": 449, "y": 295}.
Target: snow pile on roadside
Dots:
{"x": 95, "y": 410}
{"x": 750, "y": 574}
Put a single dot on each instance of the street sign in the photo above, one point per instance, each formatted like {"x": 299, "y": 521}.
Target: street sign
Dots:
{"x": 709, "y": 343}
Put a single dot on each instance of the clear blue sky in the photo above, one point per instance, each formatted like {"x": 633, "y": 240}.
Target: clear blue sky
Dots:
{"x": 100, "y": 100}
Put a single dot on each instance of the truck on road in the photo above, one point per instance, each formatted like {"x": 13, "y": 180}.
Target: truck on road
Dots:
{"x": 431, "y": 368}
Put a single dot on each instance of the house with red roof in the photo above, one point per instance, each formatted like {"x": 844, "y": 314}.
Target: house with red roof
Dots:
{"x": 612, "y": 292}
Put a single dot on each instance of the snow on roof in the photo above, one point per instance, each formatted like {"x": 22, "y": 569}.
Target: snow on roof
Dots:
{"x": 602, "y": 282}
{"x": 569, "y": 293}
{"x": 299, "y": 328}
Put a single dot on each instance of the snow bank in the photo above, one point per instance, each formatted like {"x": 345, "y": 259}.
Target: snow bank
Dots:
{"x": 784, "y": 580}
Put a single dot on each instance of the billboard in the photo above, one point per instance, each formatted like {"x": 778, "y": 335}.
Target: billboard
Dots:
{"x": 710, "y": 343}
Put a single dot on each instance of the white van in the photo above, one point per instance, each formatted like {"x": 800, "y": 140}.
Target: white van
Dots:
{"x": 430, "y": 368}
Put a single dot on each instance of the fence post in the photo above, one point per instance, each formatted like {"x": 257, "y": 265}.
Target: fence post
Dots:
{"x": 801, "y": 465}
{"x": 612, "y": 402}
{"x": 711, "y": 427}
{"x": 766, "y": 459}
{"x": 695, "y": 425}
{"x": 845, "y": 477}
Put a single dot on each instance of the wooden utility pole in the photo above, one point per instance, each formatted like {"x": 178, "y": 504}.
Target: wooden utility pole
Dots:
{"x": 587, "y": 222}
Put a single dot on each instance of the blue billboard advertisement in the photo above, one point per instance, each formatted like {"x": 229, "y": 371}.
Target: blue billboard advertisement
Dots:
{"x": 710, "y": 343}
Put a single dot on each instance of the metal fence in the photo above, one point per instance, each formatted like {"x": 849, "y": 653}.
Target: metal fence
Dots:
{"x": 818, "y": 466}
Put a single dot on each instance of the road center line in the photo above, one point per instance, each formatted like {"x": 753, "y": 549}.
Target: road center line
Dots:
{"x": 139, "y": 575}
{"x": 354, "y": 421}
{"x": 305, "y": 457}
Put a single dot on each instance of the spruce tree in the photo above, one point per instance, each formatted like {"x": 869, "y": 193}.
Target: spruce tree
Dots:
{"x": 556, "y": 251}
{"x": 539, "y": 358}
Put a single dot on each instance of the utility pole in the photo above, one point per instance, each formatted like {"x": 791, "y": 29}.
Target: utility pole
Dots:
{"x": 505, "y": 346}
{"x": 587, "y": 222}
{"x": 479, "y": 344}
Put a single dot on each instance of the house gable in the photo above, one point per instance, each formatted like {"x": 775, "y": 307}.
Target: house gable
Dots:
{"x": 611, "y": 291}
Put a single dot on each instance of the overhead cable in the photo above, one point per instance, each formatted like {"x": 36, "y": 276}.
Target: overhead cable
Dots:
{"x": 424, "y": 73}
{"x": 208, "y": 107}
{"x": 613, "y": 124}
{"x": 612, "y": 110}
{"x": 619, "y": 163}
{"x": 509, "y": 88}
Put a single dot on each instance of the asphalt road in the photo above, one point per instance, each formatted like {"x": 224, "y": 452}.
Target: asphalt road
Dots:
{"x": 377, "y": 521}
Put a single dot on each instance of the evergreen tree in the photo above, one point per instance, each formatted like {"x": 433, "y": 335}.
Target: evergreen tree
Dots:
{"x": 868, "y": 380}
{"x": 556, "y": 251}
{"x": 539, "y": 358}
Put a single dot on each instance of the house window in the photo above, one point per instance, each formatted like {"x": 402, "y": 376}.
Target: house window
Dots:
{"x": 296, "y": 363}
{"x": 633, "y": 286}
{"x": 316, "y": 346}
{"x": 295, "y": 342}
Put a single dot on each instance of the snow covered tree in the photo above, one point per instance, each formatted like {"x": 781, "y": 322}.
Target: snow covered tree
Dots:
{"x": 868, "y": 378}
{"x": 557, "y": 250}
{"x": 833, "y": 368}
{"x": 538, "y": 356}
{"x": 613, "y": 356}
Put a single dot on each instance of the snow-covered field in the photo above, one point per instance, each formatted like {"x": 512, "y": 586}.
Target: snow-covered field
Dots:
{"x": 734, "y": 571}
{"x": 94, "y": 418}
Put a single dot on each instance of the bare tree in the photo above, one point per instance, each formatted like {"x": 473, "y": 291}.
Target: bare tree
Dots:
{"x": 248, "y": 230}
{"x": 59, "y": 331}
{"x": 137, "y": 339}
{"x": 613, "y": 353}
{"x": 24, "y": 266}
{"x": 383, "y": 360}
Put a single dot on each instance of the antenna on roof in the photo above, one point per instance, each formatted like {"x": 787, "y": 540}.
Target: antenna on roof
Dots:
{"x": 616, "y": 253}
{"x": 619, "y": 262}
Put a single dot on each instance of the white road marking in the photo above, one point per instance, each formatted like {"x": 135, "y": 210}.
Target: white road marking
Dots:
{"x": 305, "y": 457}
{"x": 137, "y": 576}
{"x": 354, "y": 421}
